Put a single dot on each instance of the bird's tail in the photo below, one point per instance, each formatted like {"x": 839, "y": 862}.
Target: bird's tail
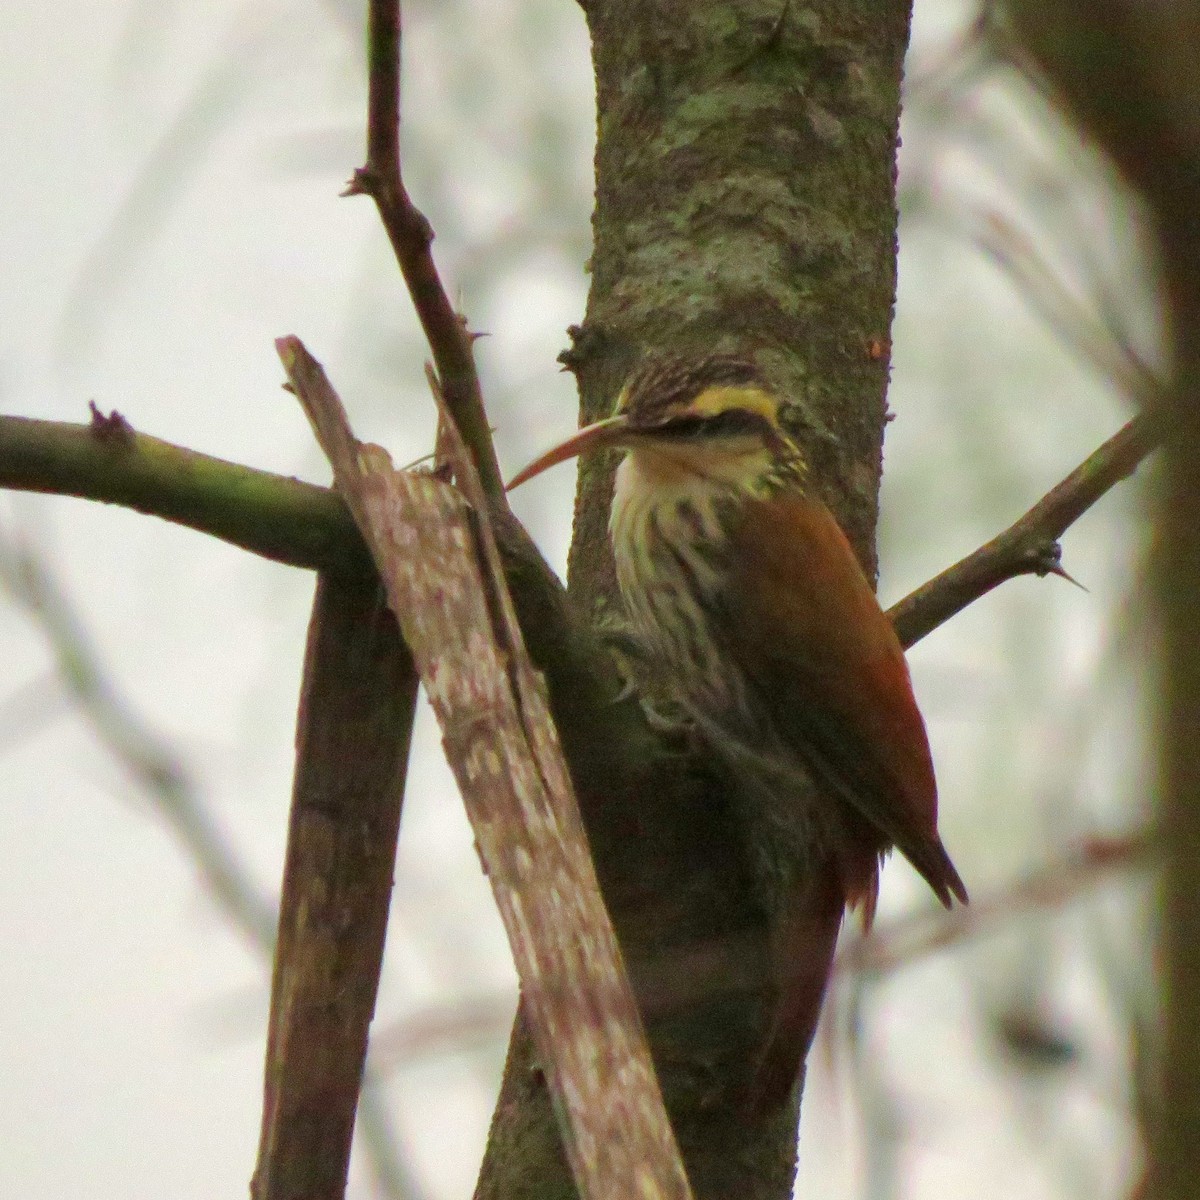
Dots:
{"x": 805, "y": 943}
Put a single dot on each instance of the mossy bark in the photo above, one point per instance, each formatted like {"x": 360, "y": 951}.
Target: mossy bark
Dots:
{"x": 745, "y": 199}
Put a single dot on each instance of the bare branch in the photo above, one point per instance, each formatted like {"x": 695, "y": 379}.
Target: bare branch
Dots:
{"x": 1030, "y": 546}
{"x": 411, "y": 236}
{"x": 458, "y": 620}
{"x": 272, "y": 515}
{"x": 355, "y": 725}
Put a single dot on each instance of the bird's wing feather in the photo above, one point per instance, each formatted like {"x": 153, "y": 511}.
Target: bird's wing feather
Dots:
{"x": 826, "y": 663}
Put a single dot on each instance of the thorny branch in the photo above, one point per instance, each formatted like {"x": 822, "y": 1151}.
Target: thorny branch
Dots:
{"x": 274, "y": 516}
{"x": 411, "y": 236}
{"x": 1030, "y": 545}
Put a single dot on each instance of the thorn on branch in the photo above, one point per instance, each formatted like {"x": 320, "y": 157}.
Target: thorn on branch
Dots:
{"x": 1044, "y": 559}
{"x": 112, "y": 429}
{"x": 361, "y": 183}
{"x": 1069, "y": 578}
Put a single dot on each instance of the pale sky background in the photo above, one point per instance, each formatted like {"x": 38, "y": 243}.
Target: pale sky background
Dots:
{"x": 170, "y": 207}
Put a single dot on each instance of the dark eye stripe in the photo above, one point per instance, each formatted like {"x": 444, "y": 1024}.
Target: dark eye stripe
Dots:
{"x": 729, "y": 423}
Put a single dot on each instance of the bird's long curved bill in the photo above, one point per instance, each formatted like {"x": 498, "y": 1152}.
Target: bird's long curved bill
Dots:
{"x": 597, "y": 436}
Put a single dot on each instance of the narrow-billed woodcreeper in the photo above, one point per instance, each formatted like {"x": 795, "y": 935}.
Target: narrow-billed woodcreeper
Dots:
{"x": 750, "y": 600}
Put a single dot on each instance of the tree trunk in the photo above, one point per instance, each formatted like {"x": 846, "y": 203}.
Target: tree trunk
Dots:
{"x": 745, "y": 199}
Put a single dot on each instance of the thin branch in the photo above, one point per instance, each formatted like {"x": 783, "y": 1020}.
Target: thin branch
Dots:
{"x": 304, "y": 525}
{"x": 411, "y": 236}
{"x": 442, "y": 575}
{"x": 383, "y": 101}
{"x": 1030, "y": 545}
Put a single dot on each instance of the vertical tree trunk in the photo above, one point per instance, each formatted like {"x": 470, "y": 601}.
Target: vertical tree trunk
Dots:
{"x": 745, "y": 199}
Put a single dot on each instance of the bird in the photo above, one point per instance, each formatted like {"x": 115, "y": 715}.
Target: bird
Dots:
{"x": 750, "y": 603}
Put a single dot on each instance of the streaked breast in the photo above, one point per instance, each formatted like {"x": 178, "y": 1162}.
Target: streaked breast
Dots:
{"x": 669, "y": 546}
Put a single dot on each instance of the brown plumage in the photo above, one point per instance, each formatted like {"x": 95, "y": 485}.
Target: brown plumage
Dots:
{"x": 749, "y": 597}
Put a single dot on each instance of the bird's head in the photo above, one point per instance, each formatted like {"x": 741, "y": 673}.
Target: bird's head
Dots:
{"x": 708, "y": 417}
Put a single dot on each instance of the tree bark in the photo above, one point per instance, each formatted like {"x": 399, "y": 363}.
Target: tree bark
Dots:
{"x": 745, "y": 198}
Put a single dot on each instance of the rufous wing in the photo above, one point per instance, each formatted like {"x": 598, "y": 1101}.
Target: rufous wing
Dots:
{"x": 827, "y": 666}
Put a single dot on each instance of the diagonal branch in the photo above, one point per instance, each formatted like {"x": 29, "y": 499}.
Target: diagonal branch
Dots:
{"x": 443, "y": 582}
{"x": 411, "y": 236}
{"x": 1030, "y": 546}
